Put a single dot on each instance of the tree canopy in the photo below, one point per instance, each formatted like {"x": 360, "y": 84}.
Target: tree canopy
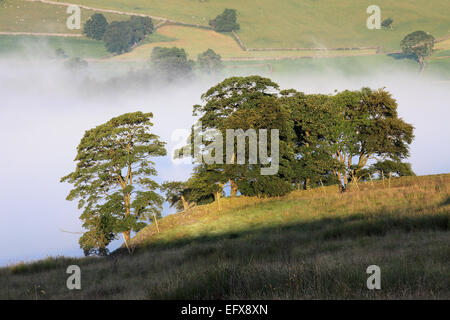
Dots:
{"x": 112, "y": 179}
{"x": 225, "y": 22}
{"x": 121, "y": 36}
{"x": 387, "y": 23}
{"x": 419, "y": 45}
{"x": 172, "y": 63}
{"x": 323, "y": 139}
{"x": 209, "y": 61}
{"x": 95, "y": 26}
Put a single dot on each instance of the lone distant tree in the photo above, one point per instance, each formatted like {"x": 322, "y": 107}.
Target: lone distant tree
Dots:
{"x": 112, "y": 179}
{"x": 387, "y": 23}
{"x": 95, "y": 26}
{"x": 209, "y": 61}
{"x": 418, "y": 44}
{"x": 225, "y": 22}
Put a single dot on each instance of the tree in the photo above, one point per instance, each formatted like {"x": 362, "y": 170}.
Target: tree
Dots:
{"x": 112, "y": 179}
{"x": 95, "y": 26}
{"x": 209, "y": 61}
{"x": 389, "y": 167}
{"x": 316, "y": 124}
{"x": 387, "y": 23}
{"x": 370, "y": 129}
{"x": 264, "y": 186}
{"x": 177, "y": 193}
{"x": 245, "y": 105}
{"x": 118, "y": 37}
{"x": 418, "y": 44}
{"x": 206, "y": 184}
{"x": 225, "y": 22}
{"x": 171, "y": 62}
{"x": 141, "y": 26}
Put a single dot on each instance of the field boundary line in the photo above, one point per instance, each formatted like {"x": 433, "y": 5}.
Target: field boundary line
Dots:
{"x": 67, "y": 4}
{"x": 41, "y": 34}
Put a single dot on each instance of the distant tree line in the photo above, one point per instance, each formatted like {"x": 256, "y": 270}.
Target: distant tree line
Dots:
{"x": 339, "y": 139}
{"x": 119, "y": 36}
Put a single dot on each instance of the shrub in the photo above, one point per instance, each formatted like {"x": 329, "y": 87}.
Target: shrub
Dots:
{"x": 265, "y": 186}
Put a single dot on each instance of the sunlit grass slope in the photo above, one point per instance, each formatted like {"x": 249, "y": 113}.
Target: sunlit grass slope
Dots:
{"x": 309, "y": 244}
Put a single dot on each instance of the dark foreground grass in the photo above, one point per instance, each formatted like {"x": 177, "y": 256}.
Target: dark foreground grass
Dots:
{"x": 309, "y": 245}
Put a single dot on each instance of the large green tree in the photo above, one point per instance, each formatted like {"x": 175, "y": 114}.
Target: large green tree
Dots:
{"x": 177, "y": 194}
{"x": 370, "y": 130}
{"x": 418, "y": 44}
{"x": 245, "y": 105}
{"x": 316, "y": 122}
{"x": 112, "y": 179}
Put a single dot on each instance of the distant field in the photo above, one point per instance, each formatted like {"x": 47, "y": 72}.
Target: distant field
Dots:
{"x": 25, "y": 16}
{"x": 74, "y": 47}
{"x": 347, "y": 66}
{"x": 302, "y": 23}
{"x": 196, "y": 41}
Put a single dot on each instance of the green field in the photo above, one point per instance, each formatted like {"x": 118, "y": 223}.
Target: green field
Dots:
{"x": 306, "y": 23}
{"x": 302, "y": 23}
{"x": 37, "y": 17}
{"x": 74, "y": 47}
{"x": 307, "y": 245}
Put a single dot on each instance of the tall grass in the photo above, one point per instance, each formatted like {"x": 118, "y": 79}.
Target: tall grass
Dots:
{"x": 308, "y": 245}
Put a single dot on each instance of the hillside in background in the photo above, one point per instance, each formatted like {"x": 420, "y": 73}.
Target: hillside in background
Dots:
{"x": 36, "y": 26}
{"x": 309, "y": 244}
{"x": 301, "y": 23}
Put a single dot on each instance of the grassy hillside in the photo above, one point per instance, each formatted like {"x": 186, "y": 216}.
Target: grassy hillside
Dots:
{"x": 309, "y": 244}
{"x": 37, "y": 17}
{"x": 302, "y": 23}
{"x": 196, "y": 41}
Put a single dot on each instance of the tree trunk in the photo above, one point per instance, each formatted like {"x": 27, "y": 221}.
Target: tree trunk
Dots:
{"x": 308, "y": 184}
{"x": 185, "y": 203}
{"x": 217, "y": 198}
{"x": 126, "y": 239}
{"x": 422, "y": 64}
{"x": 233, "y": 188}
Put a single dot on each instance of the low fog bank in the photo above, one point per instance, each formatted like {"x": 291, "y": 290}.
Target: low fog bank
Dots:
{"x": 46, "y": 107}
